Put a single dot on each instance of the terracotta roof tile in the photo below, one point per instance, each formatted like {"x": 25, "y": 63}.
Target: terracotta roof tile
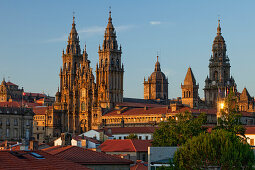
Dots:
{"x": 128, "y": 130}
{"x": 27, "y": 161}
{"x": 10, "y": 84}
{"x": 85, "y": 156}
{"x": 139, "y": 111}
{"x": 126, "y": 145}
{"x": 139, "y": 166}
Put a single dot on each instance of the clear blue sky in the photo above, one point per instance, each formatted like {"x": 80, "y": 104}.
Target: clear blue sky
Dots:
{"x": 34, "y": 33}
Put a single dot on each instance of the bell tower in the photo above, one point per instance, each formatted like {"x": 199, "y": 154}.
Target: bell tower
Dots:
{"x": 109, "y": 71}
{"x": 219, "y": 80}
{"x": 190, "y": 90}
{"x": 72, "y": 59}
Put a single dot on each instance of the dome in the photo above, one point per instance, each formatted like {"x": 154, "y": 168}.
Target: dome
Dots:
{"x": 157, "y": 75}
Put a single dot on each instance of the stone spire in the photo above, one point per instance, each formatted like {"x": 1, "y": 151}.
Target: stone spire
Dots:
{"x": 110, "y": 41}
{"x": 190, "y": 78}
{"x": 157, "y": 65}
{"x": 218, "y": 28}
{"x": 73, "y": 46}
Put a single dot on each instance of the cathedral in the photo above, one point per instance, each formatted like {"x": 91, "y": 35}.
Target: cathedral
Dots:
{"x": 85, "y": 102}
{"x": 82, "y": 98}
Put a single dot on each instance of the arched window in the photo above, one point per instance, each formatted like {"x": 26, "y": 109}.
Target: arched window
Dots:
{"x": 83, "y": 106}
{"x": 215, "y": 75}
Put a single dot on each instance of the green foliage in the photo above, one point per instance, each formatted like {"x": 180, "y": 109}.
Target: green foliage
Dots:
{"x": 176, "y": 132}
{"x": 219, "y": 148}
{"x": 230, "y": 119}
{"x": 132, "y": 136}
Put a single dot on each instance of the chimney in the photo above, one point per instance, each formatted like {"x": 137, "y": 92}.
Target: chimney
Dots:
{"x": 33, "y": 145}
{"x": 66, "y": 139}
{"x": 109, "y": 131}
{"x": 145, "y": 108}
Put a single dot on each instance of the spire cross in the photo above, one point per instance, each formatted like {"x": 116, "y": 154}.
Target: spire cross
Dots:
{"x": 73, "y": 17}
{"x": 110, "y": 10}
{"x": 157, "y": 58}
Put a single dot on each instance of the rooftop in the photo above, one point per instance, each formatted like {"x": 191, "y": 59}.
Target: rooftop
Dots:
{"x": 85, "y": 156}
{"x": 126, "y": 145}
{"x": 26, "y": 160}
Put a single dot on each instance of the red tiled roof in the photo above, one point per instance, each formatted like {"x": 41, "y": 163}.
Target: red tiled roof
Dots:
{"x": 126, "y": 145}
{"x": 140, "y": 111}
{"x": 34, "y": 94}
{"x": 139, "y": 166}
{"x": 128, "y": 130}
{"x": 85, "y": 156}
{"x": 250, "y": 130}
{"x": 133, "y": 104}
{"x": 10, "y": 161}
{"x": 10, "y": 84}
{"x": 41, "y": 110}
{"x": 18, "y": 104}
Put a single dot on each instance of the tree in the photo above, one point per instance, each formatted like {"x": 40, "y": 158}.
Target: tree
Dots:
{"x": 176, "y": 132}
{"x": 230, "y": 119}
{"x": 132, "y": 136}
{"x": 219, "y": 148}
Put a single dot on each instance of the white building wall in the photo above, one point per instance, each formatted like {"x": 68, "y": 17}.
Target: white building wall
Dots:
{"x": 58, "y": 142}
{"x": 141, "y": 136}
{"x": 92, "y": 134}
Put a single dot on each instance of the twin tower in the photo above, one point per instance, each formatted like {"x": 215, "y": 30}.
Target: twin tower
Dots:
{"x": 217, "y": 85}
{"x": 82, "y": 99}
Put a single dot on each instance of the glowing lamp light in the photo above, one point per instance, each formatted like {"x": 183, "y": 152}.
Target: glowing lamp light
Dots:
{"x": 222, "y": 105}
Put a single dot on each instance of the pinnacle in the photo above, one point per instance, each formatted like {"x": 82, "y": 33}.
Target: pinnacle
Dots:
{"x": 190, "y": 78}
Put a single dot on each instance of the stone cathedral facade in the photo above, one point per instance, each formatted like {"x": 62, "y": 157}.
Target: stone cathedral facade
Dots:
{"x": 82, "y": 98}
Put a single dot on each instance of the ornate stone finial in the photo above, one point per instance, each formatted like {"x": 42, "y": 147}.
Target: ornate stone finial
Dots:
{"x": 218, "y": 28}
{"x": 110, "y": 12}
{"x": 157, "y": 58}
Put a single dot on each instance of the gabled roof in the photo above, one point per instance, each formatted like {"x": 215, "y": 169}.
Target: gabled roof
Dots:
{"x": 18, "y": 104}
{"x": 190, "y": 78}
{"x": 41, "y": 110}
{"x": 126, "y": 145}
{"x": 245, "y": 95}
{"x": 27, "y": 161}
{"x": 10, "y": 84}
{"x": 85, "y": 156}
{"x": 139, "y": 166}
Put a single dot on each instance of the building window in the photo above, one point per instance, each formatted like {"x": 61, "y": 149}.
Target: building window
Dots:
{"x": 7, "y": 132}
{"x": 120, "y": 137}
{"x": 252, "y": 142}
{"x": 144, "y": 157}
{"x": 83, "y": 106}
{"x": 27, "y": 122}
{"x": 38, "y": 135}
{"x": 0, "y": 122}
{"x": 146, "y": 137}
{"x": 83, "y": 93}
{"x": 140, "y": 137}
{"x": 15, "y": 122}
{"x": 27, "y": 134}
{"x": 7, "y": 122}
{"x": 15, "y": 133}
